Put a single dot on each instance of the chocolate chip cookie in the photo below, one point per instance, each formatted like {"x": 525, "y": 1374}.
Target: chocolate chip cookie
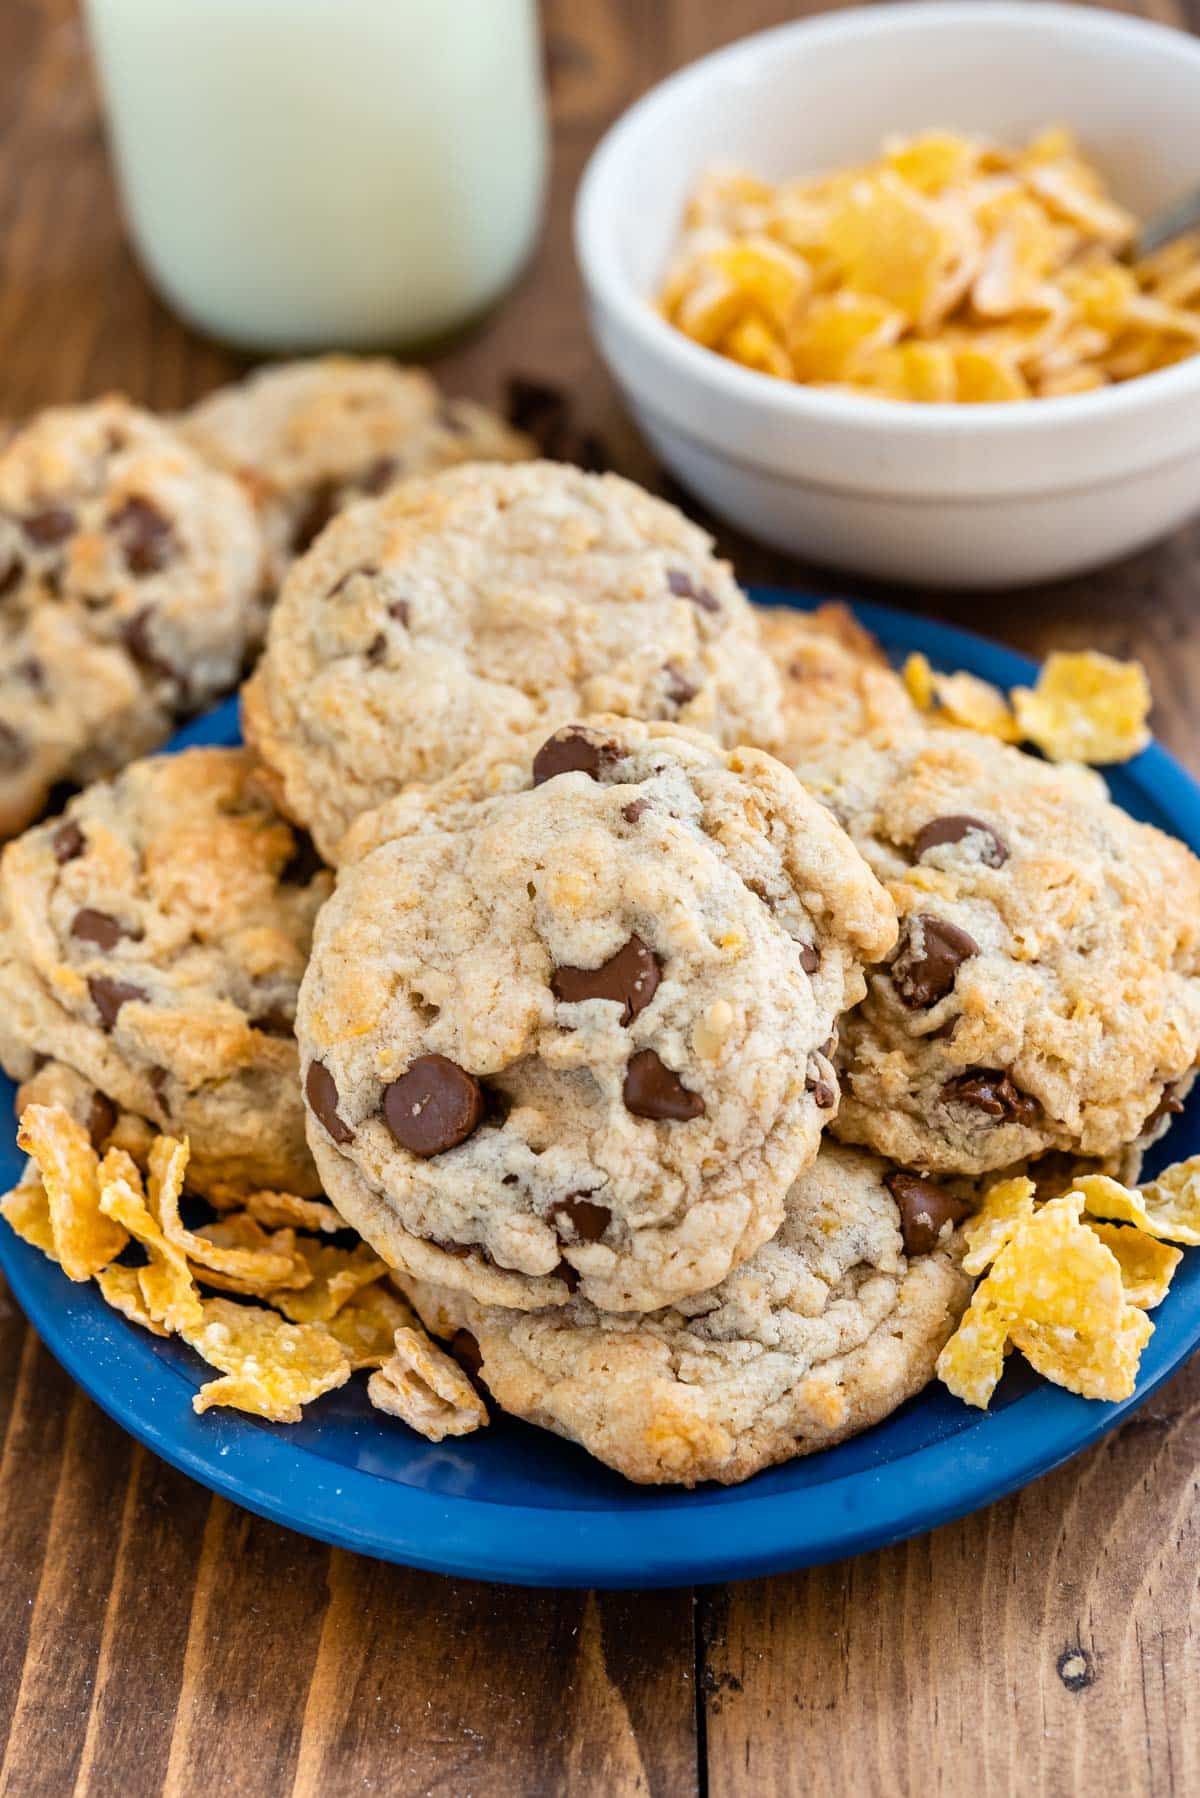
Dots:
{"x": 837, "y": 684}
{"x": 308, "y": 438}
{"x": 460, "y": 611}
{"x": 1045, "y": 989}
{"x": 568, "y": 1020}
{"x": 129, "y": 578}
{"x": 152, "y": 940}
{"x": 823, "y": 1332}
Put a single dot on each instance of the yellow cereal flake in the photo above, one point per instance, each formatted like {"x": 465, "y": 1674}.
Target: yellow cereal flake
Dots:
{"x": 1147, "y": 1265}
{"x": 1000, "y": 272}
{"x": 1168, "y": 1208}
{"x": 974, "y": 704}
{"x": 1085, "y": 707}
{"x": 26, "y": 1210}
{"x": 275, "y": 1210}
{"x": 1006, "y": 1205}
{"x": 85, "y": 1240}
{"x": 425, "y": 1387}
{"x": 1055, "y": 1291}
{"x": 917, "y": 675}
{"x": 122, "y": 1289}
{"x": 269, "y": 1367}
{"x": 166, "y": 1281}
{"x": 241, "y": 1252}
{"x": 366, "y": 1326}
{"x": 336, "y": 1275}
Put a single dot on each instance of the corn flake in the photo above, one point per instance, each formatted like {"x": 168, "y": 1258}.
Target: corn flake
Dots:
{"x": 166, "y": 1281}
{"x": 961, "y": 699}
{"x": 336, "y": 1275}
{"x": 1085, "y": 707}
{"x": 269, "y": 1367}
{"x": 425, "y": 1387}
{"x": 85, "y": 1240}
{"x": 1055, "y": 1290}
{"x": 122, "y": 1289}
{"x": 1007, "y": 1204}
{"x": 1147, "y": 1265}
{"x": 1168, "y": 1208}
{"x": 26, "y": 1210}
{"x": 367, "y": 1325}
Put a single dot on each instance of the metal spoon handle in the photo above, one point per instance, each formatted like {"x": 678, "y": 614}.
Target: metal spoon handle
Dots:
{"x": 1183, "y": 216}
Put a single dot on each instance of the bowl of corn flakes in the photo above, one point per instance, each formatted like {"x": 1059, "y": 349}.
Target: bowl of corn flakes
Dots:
{"x": 871, "y": 285}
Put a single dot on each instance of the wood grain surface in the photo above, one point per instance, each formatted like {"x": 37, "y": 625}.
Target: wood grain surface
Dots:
{"x": 155, "y": 1639}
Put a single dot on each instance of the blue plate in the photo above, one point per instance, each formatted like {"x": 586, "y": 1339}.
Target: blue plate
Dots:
{"x": 516, "y": 1504}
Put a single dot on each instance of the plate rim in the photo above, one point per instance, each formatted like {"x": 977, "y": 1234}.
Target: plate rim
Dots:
{"x": 670, "y": 1542}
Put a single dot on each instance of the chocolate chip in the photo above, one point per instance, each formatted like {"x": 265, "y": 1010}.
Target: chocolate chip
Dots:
{"x": 925, "y": 1210}
{"x": 630, "y": 977}
{"x": 67, "y": 842}
{"x": 322, "y": 505}
{"x": 824, "y": 1095}
{"x": 810, "y": 958}
{"x": 274, "y": 1023}
{"x": 52, "y": 525}
{"x": 466, "y": 1351}
{"x": 14, "y": 750}
{"x": 379, "y": 476}
{"x": 433, "y": 1106}
{"x": 684, "y": 587}
{"x": 99, "y": 927}
{"x": 993, "y": 850}
{"x": 653, "y": 1090}
{"x": 678, "y": 690}
{"x": 108, "y": 996}
{"x": 304, "y": 864}
{"x": 323, "y": 1101}
{"x": 399, "y": 610}
{"x": 572, "y": 750}
{"x": 376, "y": 650}
{"x": 147, "y": 537}
{"x": 924, "y": 974}
{"x": 141, "y": 646}
{"x": 992, "y": 1092}
{"x": 585, "y": 1220}
{"x": 569, "y": 1276}
{"x": 10, "y": 573}
{"x": 637, "y": 808}
{"x": 102, "y": 1119}
{"x": 541, "y": 411}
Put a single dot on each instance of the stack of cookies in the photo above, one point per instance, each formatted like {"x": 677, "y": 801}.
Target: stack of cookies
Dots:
{"x": 646, "y": 979}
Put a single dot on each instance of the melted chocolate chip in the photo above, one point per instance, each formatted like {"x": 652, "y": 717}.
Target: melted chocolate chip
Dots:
{"x": 14, "y": 750}
{"x": 376, "y": 650}
{"x": 466, "y": 1351}
{"x": 10, "y": 573}
{"x": 572, "y": 750}
{"x": 304, "y": 864}
{"x": 68, "y": 842}
{"x": 923, "y": 975}
{"x": 584, "y": 1220}
{"x": 684, "y": 587}
{"x": 993, "y": 1092}
{"x": 322, "y": 505}
{"x": 637, "y": 808}
{"x": 99, "y": 927}
{"x": 323, "y": 1101}
{"x": 400, "y": 611}
{"x": 630, "y": 978}
{"x": 433, "y": 1106}
{"x": 653, "y": 1090}
{"x": 925, "y": 1210}
{"x": 50, "y": 526}
{"x": 678, "y": 690}
{"x": 810, "y": 958}
{"x": 147, "y": 537}
{"x": 102, "y": 1119}
{"x": 108, "y": 996}
{"x": 992, "y": 849}
{"x": 570, "y": 1276}
{"x": 379, "y": 476}
{"x": 141, "y": 646}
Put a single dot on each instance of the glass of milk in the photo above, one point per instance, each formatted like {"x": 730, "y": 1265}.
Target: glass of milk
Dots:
{"x": 304, "y": 174}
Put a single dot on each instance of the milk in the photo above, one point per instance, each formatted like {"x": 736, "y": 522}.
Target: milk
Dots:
{"x": 326, "y": 173}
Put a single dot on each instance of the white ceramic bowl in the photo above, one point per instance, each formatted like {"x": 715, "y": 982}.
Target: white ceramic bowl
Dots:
{"x": 971, "y": 495}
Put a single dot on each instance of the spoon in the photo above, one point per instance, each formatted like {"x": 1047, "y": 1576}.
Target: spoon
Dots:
{"x": 1181, "y": 216}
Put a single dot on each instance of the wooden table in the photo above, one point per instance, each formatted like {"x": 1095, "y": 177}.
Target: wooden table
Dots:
{"x": 152, "y": 1637}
